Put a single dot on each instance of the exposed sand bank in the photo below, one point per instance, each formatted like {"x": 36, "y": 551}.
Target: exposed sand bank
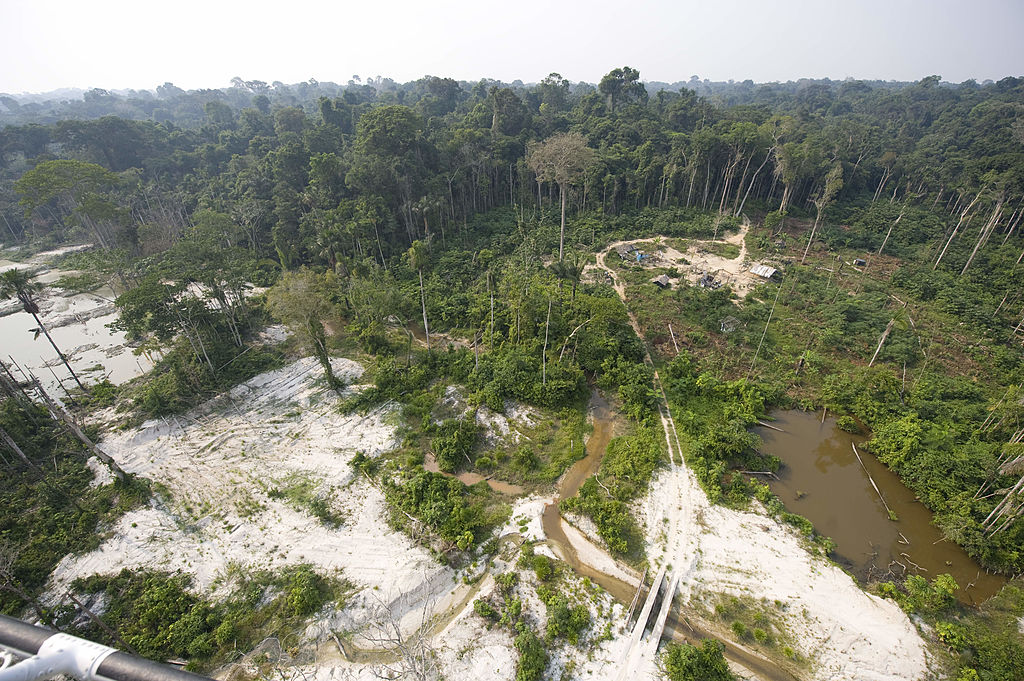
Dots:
{"x": 216, "y": 466}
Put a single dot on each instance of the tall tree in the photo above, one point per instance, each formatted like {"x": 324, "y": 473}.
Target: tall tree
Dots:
{"x": 562, "y": 159}
{"x": 833, "y": 183}
{"x": 80, "y": 190}
{"x": 620, "y": 85}
{"x": 417, "y": 259}
{"x": 303, "y": 300}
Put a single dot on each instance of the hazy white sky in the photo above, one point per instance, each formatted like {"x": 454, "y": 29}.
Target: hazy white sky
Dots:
{"x": 46, "y": 44}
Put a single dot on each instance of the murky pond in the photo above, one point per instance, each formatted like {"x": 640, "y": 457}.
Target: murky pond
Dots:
{"x": 471, "y": 478}
{"x": 78, "y": 325}
{"x": 822, "y": 480}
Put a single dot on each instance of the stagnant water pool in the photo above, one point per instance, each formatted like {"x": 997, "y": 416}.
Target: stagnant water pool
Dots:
{"x": 822, "y": 480}
{"x": 94, "y": 350}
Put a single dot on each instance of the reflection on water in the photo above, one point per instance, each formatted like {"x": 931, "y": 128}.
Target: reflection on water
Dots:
{"x": 78, "y": 325}
{"x": 822, "y": 480}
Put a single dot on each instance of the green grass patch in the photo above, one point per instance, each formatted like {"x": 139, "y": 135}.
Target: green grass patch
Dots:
{"x": 303, "y": 493}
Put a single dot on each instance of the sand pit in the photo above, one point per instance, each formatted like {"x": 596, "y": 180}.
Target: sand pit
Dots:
{"x": 844, "y": 632}
{"x": 218, "y": 464}
{"x": 215, "y": 468}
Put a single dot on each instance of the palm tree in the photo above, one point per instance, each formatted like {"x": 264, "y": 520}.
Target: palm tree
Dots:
{"x": 18, "y": 283}
{"x": 570, "y": 269}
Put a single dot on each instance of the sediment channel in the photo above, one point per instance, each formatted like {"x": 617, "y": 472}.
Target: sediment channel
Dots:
{"x": 679, "y": 627}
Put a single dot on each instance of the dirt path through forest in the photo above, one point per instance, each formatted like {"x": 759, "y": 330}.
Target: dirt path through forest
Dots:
{"x": 841, "y": 630}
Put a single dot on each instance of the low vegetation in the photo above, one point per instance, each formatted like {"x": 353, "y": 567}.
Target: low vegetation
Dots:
{"x": 686, "y": 662}
{"x": 48, "y": 506}
{"x": 429, "y": 230}
{"x": 980, "y": 644}
{"x": 159, "y": 616}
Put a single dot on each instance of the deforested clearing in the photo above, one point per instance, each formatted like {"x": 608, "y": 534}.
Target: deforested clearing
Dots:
{"x": 449, "y": 379}
{"x": 844, "y": 632}
{"x": 216, "y": 468}
{"x": 218, "y": 464}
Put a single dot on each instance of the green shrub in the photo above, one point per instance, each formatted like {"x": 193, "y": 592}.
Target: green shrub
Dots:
{"x": 533, "y": 657}
{"x": 848, "y": 424}
{"x": 306, "y": 591}
{"x": 565, "y": 621}
{"x": 706, "y": 662}
{"x": 485, "y": 610}
{"x": 543, "y": 568}
{"x": 443, "y": 504}
{"x": 454, "y": 443}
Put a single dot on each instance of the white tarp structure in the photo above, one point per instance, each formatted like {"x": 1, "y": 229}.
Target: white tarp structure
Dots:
{"x": 763, "y": 271}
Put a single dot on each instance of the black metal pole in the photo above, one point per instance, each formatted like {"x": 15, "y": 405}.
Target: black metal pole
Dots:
{"x": 26, "y": 639}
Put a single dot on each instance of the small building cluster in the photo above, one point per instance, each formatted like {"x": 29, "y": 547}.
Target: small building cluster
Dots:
{"x": 630, "y": 253}
{"x": 708, "y": 280}
{"x": 626, "y": 251}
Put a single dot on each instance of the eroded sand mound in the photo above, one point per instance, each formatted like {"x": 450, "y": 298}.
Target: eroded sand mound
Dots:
{"x": 215, "y": 469}
{"x": 842, "y": 631}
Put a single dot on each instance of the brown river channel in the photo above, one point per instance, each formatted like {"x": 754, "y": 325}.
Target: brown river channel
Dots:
{"x": 822, "y": 480}
{"x": 678, "y": 627}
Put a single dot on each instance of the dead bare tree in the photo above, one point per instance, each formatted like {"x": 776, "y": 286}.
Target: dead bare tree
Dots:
{"x": 765, "y": 332}
{"x": 833, "y": 183}
{"x": 956, "y": 229}
{"x": 61, "y": 416}
{"x": 898, "y": 318}
{"x": 1011, "y": 506}
{"x": 986, "y": 231}
{"x": 886, "y": 239}
{"x": 9, "y": 581}
{"x": 1007, "y": 510}
{"x": 413, "y": 656}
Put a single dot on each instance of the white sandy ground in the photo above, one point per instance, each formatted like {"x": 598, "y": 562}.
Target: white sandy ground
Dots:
{"x": 217, "y": 465}
{"x": 845, "y": 632}
{"x": 219, "y": 462}
{"x": 735, "y": 272}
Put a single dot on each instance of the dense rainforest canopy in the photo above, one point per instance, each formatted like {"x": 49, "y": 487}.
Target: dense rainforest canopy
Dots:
{"x": 469, "y": 212}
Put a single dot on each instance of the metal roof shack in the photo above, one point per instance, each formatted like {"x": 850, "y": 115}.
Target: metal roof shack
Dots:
{"x": 624, "y": 250}
{"x": 708, "y": 281}
{"x": 662, "y": 281}
{"x": 729, "y": 324}
{"x": 764, "y": 271}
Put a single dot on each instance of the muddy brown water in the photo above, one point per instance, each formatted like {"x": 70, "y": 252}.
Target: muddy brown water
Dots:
{"x": 678, "y": 627}
{"x": 572, "y": 480}
{"x": 471, "y": 478}
{"x": 822, "y": 480}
